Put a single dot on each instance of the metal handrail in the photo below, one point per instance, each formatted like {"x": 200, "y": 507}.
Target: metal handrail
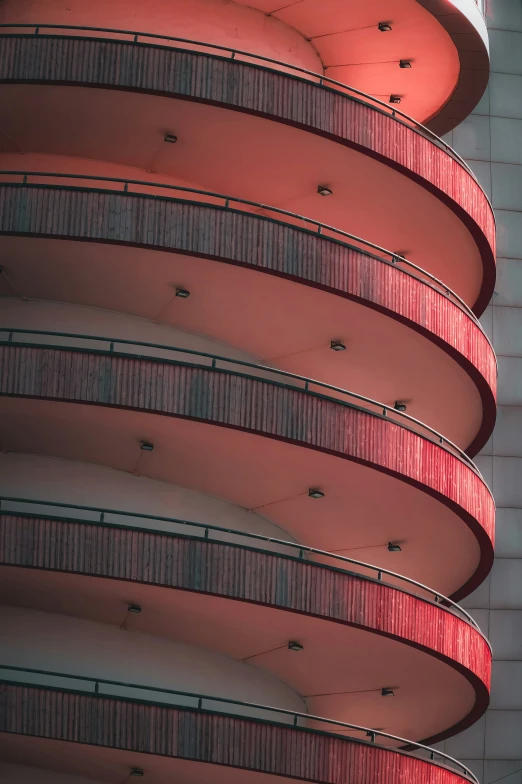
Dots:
{"x": 438, "y": 598}
{"x": 227, "y": 201}
{"x": 399, "y": 418}
{"x": 294, "y": 716}
{"x": 253, "y": 59}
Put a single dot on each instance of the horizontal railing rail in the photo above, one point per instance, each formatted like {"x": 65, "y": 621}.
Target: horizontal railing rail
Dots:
{"x": 260, "y": 61}
{"x": 238, "y": 367}
{"x": 208, "y": 704}
{"x": 17, "y": 506}
{"x": 264, "y": 212}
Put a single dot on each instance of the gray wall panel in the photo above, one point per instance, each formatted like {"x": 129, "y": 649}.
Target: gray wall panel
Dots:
{"x": 491, "y": 141}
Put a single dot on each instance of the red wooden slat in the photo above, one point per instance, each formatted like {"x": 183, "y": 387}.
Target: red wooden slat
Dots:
{"x": 250, "y": 404}
{"x": 237, "y": 573}
{"x": 248, "y": 239}
{"x": 242, "y": 86}
{"x": 211, "y": 738}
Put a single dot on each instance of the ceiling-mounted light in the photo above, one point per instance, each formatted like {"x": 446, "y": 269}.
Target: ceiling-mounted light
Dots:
{"x": 146, "y": 446}
{"x": 394, "y": 548}
{"x": 134, "y": 608}
{"x": 170, "y": 138}
{"x": 387, "y": 693}
{"x": 395, "y": 99}
{"x": 399, "y": 405}
{"x": 337, "y": 345}
{"x": 183, "y": 293}
{"x": 384, "y": 27}
{"x": 324, "y": 190}
{"x": 293, "y": 645}
{"x": 404, "y": 63}
{"x": 137, "y": 772}
{"x": 315, "y": 493}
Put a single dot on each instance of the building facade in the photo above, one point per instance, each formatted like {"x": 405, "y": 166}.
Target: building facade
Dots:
{"x": 243, "y": 384}
{"x": 490, "y": 139}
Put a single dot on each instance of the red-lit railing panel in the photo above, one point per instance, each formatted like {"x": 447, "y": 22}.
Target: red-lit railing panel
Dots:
{"x": 253, "y": 405}
{"x": 210, "y": 738}
{"x": 240, "y": 573}
{"x": 261, "y": 91}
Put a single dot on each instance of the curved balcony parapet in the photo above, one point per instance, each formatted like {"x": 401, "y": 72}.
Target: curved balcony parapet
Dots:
{"x": 238, "y": 55}
{"x": 277, "y": 242}
{"x": 237, "y": 367}
{"x": 46, "y": 511}
{"x": 354, "y": 747}
{"x": 191, "y": 70}
{"x": 256, "y": 399}
{"x": 208, "y": 199}
{"x": 244, "y": 567}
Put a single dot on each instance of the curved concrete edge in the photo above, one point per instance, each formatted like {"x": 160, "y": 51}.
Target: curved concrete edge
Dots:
{"x": 467, "y": 29}
{"x": 205, "y": 737}
{"x": 276, "y": 412}
{"x": 249, "y": 574}
{"x": 272, "y": 95}
{"x": 276, "y": 248}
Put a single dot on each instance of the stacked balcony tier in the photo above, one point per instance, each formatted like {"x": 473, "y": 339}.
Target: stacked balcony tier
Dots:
{"x": 242, "y": 381}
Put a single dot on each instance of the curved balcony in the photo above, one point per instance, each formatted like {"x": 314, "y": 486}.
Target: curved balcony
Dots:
{"x": 197, "y": 75}
{"x": 197, "y": 224}
{"x": 439, "y": 484}
{"x": 262, "y": 572}
{"x": 203, "y": 729}
{"x": 348, "y": 42}
{"x": 450, "y": 40}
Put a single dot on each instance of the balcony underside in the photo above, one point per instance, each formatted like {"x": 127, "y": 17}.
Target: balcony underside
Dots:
{"x": 404, "y": 337}
{"x": 359, "y": 635}
{"x": 447, "y": 43}
{"x": 253, "y": 133}
{"x": 450, "y": 510}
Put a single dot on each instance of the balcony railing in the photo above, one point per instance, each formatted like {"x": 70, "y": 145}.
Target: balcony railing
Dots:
{"x": 188, "y": 529}
{"x": 230, "y": 203}
{"x": 189, "y": 357}
{"x": 238, "y": 55}
{"x": 152, "y": 695}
